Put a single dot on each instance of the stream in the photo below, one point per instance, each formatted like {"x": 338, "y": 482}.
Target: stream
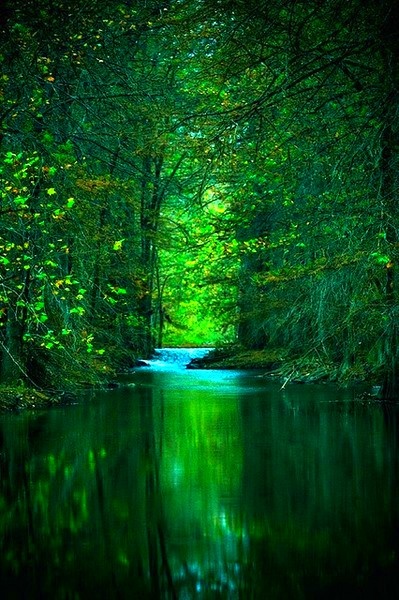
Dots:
{"x": 188, "y": 484}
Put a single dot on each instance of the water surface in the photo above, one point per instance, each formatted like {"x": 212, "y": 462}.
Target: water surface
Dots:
{"x": 200, "y": 484}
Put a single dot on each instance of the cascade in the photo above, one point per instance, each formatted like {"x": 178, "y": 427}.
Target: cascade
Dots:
{"x": 175, "y": 358}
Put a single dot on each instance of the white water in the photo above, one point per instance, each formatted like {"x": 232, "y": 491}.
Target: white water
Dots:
{"x": 175, "y": 358}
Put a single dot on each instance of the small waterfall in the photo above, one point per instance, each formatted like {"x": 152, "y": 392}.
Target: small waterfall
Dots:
{"x": 175, "y": 358}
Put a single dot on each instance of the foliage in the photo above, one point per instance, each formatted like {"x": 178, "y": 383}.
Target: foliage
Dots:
{"x": 192, "y": 173}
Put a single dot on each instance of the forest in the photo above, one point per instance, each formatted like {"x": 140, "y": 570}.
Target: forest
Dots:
{"x": 198, "y": 173}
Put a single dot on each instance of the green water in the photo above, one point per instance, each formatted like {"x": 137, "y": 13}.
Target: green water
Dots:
{"x": 200, "y": 485}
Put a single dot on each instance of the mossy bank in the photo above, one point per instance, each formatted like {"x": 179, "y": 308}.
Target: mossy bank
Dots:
{"x": 14, "y": 399}
{"x": 277, "y": 364}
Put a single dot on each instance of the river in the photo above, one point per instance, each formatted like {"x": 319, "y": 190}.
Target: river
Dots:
{"x": 200, "y": 484}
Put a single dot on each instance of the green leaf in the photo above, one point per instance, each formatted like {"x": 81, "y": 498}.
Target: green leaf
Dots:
{"x": 50, "y": 263}
{"x": 47, "y": 137}
{"x": 51, "y": 191}
{"x": 77, "y": 311}
{"x": 70, "y": 202}
{"x": 20, "y": 200}
{"x": 379, "y": 258}
{"x": 118, "y": 244}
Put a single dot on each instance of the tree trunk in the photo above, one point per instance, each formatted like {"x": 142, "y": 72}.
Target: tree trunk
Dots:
{"x": 12, "y": 363}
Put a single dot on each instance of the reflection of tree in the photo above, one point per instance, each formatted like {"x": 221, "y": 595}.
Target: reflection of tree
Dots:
{"x": 81, "y": 509}
{"x": 158, "y": 561}
{"x": 317, "y": 497}
{"x": 72, "y": 505}
{"x": 200, "y": 476}
{"x": 152, "y": 494}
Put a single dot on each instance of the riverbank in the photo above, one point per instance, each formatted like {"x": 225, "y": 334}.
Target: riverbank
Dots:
{"x": 274, "y": 365}
{"x": 277, "y": 365}
{"x": 232, "y": 358}
{"x": 19, "y": 397}
{"x": 14, "y": 399}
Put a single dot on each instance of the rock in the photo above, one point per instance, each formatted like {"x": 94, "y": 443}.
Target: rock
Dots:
{"x": 141, "y": 363}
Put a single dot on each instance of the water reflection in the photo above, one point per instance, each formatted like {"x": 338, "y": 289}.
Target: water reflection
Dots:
{"x": 200, "y": 485}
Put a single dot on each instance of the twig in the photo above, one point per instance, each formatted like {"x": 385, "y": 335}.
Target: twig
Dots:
{"x": 287, "y": 379}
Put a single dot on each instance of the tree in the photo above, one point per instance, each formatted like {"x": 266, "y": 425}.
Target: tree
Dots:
{"x": 79, "y": 115}
{"x": 389, "y": 51}
{"x": 311, "y": 207}
{"x": 256, "y": 140}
